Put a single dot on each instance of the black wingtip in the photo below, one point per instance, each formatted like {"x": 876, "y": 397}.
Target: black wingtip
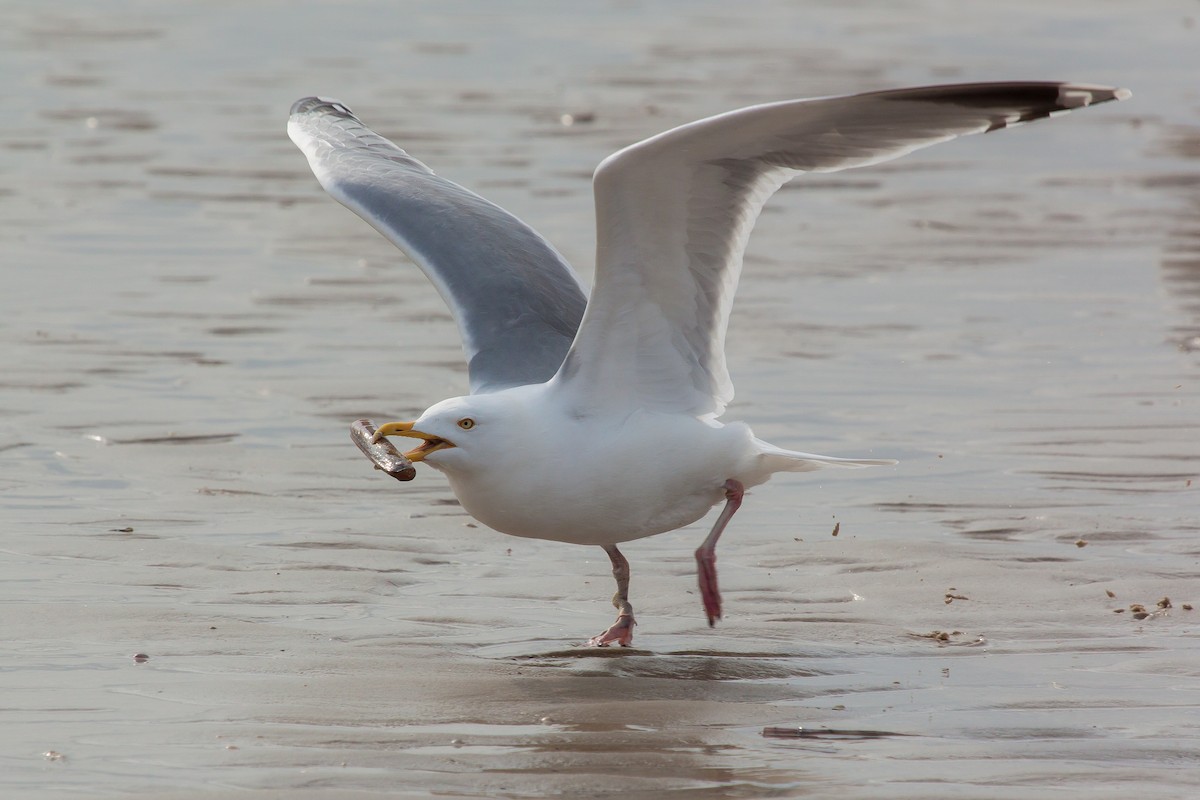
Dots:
{"x": 1011, "y": 104}
{"x": 322, "y": 105}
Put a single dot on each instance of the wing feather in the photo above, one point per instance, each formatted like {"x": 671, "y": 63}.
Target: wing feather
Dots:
{"x": 674, "y": 212}
{"x": 516, "y": 300}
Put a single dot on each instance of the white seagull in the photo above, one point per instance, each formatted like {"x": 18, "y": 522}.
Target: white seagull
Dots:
{"x": 594, "y": 420}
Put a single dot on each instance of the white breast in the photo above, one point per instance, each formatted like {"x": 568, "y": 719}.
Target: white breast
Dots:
{"x": 603, "y": 482}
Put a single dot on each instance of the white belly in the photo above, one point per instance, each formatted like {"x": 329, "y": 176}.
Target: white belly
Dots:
{"x": 649, "y": 475}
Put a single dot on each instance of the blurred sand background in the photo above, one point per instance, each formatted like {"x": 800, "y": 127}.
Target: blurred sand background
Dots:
{"x": 189, "y": 324}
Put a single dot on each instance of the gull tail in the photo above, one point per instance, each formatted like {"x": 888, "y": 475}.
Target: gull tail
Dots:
{"x": 776, "y": 459}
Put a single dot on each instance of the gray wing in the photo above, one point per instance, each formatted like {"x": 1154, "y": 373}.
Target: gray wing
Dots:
{"x": 674, "y": 212}
{"x": 517, "y": 302}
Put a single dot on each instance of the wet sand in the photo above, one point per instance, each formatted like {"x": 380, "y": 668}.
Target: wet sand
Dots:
{"x": 207, "y": 590}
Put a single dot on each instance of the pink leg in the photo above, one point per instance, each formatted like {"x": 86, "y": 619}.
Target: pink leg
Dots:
{"x": 706, "y": 554}
{"x": 620, "y": 631}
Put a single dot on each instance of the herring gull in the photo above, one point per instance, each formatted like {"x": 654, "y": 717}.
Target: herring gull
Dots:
{"x": 594, "y": 419}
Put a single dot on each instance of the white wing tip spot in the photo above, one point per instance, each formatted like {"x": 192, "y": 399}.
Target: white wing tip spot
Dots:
{"x": 1075, "y": 96}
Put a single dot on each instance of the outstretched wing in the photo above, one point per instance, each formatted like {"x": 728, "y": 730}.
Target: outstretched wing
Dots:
{"x": 673, "y": 214}
{"x": 516, "y": 300}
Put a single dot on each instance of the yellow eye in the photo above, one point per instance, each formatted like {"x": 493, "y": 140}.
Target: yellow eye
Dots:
{"x": 466, "y": 423}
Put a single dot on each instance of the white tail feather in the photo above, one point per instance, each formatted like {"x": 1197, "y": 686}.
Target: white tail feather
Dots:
{"x": 776, "y": 459}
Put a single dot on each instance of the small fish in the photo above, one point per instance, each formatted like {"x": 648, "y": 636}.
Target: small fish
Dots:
{"x": 384, "y": 455}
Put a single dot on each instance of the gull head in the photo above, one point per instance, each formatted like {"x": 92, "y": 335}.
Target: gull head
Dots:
{"x": 463, "y": 432}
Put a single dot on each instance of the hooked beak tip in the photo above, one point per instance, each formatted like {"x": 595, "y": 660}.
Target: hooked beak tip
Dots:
{"x": 392, "y": 429}
{"x": 429, "y": 444}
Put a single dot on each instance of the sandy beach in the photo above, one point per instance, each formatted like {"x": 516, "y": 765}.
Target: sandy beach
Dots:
{"x": 206, "y": 592}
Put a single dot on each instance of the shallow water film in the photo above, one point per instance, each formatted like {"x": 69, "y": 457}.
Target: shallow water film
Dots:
{"x": 206, "y": 589}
